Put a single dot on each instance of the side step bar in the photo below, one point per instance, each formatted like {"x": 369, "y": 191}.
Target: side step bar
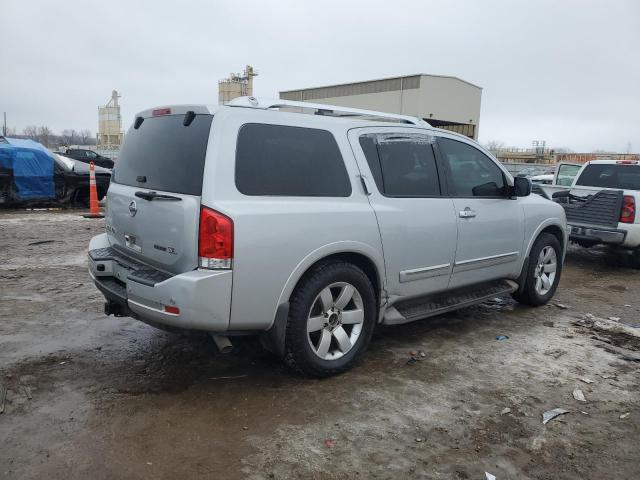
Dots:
{"x": 416, "y": 309}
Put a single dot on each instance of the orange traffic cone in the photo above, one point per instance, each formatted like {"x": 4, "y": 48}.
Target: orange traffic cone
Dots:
{"x": 94, "y": 209}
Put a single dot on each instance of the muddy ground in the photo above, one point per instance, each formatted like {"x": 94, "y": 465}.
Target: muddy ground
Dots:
{"x": 96, "y": 397}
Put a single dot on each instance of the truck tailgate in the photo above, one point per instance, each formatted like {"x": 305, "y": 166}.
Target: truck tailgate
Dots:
{"x": 602, "y": 208}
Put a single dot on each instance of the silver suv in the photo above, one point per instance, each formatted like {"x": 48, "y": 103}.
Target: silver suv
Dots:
{"x": 311, "y": 229}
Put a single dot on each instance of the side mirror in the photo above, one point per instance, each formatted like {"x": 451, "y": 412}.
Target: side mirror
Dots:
{"x": 521, "y": 187}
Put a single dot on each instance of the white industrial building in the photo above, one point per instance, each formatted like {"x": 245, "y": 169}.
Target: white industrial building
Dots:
{"x": 445, "y": 102}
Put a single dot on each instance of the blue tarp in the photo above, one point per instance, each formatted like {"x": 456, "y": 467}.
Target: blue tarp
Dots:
{"x": 32, "y": 166}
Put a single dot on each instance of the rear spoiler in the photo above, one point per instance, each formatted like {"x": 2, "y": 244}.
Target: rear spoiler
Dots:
{"x": 174, "y": 110}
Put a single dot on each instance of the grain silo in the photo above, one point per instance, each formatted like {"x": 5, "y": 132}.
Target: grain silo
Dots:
{"x": 109, "y": 137}
{"x": 236, "y": 85}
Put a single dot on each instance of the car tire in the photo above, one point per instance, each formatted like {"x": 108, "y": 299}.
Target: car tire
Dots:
{"x": 635, "y": 259}
{"x": 331, "y": 319}
{"x": 539, "y": 283}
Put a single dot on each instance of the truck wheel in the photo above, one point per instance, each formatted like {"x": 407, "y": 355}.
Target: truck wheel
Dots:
{"x": 331, "y": 319}
{"x": 543, "y": 272}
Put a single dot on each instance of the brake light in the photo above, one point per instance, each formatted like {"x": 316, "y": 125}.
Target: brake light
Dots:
{"x": 627, "y": 162}
{"x": 172, "y": 310}
{"x": 215, "y": 240}
{"x": 158, "y": 112}
{"x": 628, "y": 213}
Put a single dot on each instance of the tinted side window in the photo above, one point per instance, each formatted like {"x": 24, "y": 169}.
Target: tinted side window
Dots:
{"x": 369, "y": 145}
{"x": 402, "y": 165}
{"x": 289, "y": 161}
{"x": 470, "y": 172}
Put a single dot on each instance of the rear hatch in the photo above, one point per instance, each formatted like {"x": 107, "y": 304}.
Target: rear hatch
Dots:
{"x": 153, "y": 204}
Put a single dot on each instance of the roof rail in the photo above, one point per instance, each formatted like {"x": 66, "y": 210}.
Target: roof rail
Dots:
{"x": 266, "y": 104}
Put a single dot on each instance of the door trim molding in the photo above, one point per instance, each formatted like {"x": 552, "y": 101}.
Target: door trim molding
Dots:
{"x": 424, "y": 272}
{"x": 482, "y": 262}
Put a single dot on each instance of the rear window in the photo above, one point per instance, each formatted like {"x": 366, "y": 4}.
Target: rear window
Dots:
{"x": 626, "y": 177}
{"x": 165, "y": 154}
{"x": 289, "y": 161}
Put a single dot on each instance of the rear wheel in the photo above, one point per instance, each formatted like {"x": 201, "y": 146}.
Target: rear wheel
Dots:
{"x": 331, "y": 319}
{"x": 543, "y": 272}
{"x": 635, "y": 258}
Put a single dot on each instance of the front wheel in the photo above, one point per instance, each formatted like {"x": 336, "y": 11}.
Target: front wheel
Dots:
{"x": 543, "y": 272}
{"x": 331, "y": 320}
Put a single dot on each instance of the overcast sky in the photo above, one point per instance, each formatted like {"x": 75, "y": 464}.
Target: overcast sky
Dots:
{"x": 567, "y": 72}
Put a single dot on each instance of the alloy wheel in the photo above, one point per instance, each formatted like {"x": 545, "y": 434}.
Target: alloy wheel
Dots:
{"x": 335, "y": 320}
{"x": 545, "y": 271}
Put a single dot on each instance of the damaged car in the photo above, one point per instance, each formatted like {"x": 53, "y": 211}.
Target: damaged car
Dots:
{"x": 31, "y": 175}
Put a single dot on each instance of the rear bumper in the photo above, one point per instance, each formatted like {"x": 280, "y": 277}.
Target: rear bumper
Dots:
{"x": 597, "y": 235}
{"x": 202, "y": 296}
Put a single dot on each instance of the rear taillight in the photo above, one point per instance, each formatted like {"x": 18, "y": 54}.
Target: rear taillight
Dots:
{"x": 172, "y": 310}
{"x": 628, "y": 213}
{"x": 215, "y": 240}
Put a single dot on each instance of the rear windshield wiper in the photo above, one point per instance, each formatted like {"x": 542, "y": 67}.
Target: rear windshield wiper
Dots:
{"x": 156, "y": 196}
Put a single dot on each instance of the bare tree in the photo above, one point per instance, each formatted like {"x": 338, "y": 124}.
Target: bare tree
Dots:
{"x": 85, "y": 135}
{"x": 44, "y": 134}
{"x": 495, "y": 146}
{"x": 562, "y": 150}
{"x": 31, "y": 132}
{"x": 69, "y": 136}
{"x": 64, "y": 136}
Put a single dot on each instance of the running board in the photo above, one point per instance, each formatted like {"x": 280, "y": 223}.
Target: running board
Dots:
{"x": 416, "y": 309}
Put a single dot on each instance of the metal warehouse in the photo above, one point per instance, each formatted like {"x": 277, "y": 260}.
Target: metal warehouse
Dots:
{"x": 443, "y": 101}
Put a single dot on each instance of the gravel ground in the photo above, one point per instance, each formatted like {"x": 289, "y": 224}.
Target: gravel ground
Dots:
{"x": 96, "y": 397}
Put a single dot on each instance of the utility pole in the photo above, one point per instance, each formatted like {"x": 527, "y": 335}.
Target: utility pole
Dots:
{"x": 4, "y": 126}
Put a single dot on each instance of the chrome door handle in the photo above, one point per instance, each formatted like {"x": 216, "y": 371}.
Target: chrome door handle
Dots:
{"x": 467, "y": 213}
{"x": 365, "y": 185}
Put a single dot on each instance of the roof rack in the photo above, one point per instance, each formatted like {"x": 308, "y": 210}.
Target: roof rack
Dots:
{"x": 328, "y": 110}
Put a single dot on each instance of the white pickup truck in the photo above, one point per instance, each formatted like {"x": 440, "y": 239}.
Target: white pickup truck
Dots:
{"x": 600, "y": 200}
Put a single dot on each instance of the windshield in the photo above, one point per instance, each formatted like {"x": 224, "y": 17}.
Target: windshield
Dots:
{"x": 65, "y": 162}
{"x": 164, "y": 154}
{"x": 626, "y": 177}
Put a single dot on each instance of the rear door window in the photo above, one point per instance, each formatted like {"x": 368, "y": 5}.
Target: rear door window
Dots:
{"x": 289, "y": 161}
{"x": 402, "y": 165}
{"x": 164, "y": 154}
{"x": 610, "y": 176}
{"x": 470, "y": 172}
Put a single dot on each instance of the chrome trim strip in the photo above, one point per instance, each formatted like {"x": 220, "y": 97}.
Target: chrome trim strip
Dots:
{"x": 146, "y": 307}
{"x": 482, "y": 262}
{"x": 424, "y": 272}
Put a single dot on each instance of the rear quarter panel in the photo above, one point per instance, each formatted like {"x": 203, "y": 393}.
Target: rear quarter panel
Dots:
{"x": 276, "y": 239}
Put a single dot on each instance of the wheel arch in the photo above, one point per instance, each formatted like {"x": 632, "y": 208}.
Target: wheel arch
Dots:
{"x": 557, "y": 232}
{"x": 360, "y": 254}
{"x": 357, "y": 253}
{"x": 551, "y": 226}
{"x": 554, "y": 228}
